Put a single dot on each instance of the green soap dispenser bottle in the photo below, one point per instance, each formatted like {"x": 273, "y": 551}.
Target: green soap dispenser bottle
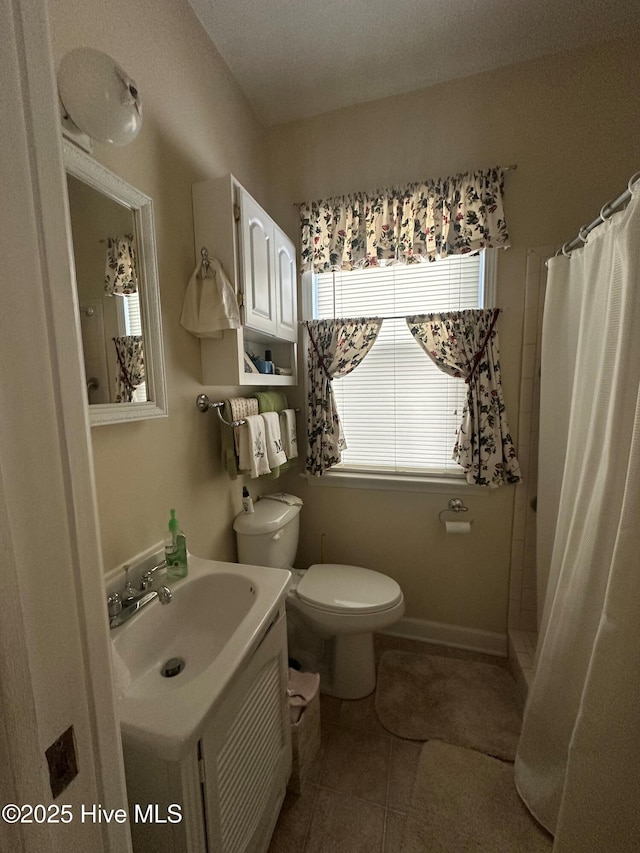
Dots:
{"x": 175, "y": 550}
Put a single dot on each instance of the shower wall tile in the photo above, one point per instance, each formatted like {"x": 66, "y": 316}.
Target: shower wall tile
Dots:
{"x": 522, "y": 591}
{"x": 519, "y": 523}
{"x": 528, "y": 361}
{"x": 515, "y": 585}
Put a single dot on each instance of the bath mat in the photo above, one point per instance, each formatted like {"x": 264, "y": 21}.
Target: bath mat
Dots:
{"x": 466, "y": 703}
{"x": 465, "y": 801}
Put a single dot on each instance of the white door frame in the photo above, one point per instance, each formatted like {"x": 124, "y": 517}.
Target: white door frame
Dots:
{"x": 54, "y": 644}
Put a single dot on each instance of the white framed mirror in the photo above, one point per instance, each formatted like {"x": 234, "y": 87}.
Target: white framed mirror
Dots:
{"x": 114, "y": 252}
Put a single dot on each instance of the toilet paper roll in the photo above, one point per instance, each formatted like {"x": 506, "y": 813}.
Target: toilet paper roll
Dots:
{"x": 457, "y": 526}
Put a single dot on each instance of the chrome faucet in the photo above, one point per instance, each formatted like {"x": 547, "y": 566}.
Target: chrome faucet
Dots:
{"x": 148, "y": 577}
{"x": 121, "y": 609}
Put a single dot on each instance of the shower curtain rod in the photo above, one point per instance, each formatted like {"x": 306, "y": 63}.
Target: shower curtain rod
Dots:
{"x": 605, "y": 212}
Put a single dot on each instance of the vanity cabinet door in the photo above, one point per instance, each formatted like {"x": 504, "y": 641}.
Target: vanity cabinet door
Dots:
{"x": 286, "y": 286}
{"x": 258, "y": 265}
{"x": 246, "y": 750}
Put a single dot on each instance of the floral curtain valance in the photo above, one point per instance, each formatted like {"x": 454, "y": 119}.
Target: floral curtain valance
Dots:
{"x": 120, "y": 276}
{"x": 464, "y": 344}
{"x": 336, "y": 347}
{"x": 422, "y": 221}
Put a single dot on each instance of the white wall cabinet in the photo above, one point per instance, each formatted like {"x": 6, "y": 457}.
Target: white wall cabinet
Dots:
{"x": 260, "y": 261}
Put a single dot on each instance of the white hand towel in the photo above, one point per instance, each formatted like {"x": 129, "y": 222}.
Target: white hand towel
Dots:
{"x": 253, "y": 449}
{"x": 210, "y": 304}
{"x": 275, "y": 454}
{"x": 288, "y": 430}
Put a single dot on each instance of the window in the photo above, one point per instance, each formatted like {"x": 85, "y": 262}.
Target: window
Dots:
{"x": 129, "y": 315}
{"x": 399, "y": 412}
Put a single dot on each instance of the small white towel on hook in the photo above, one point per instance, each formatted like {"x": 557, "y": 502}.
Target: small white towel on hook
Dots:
{"x": 275, "y": 454}
{"x": 210, "y": 305}
{"x": 253, "y": 449}
{"x": 289, "y": 435}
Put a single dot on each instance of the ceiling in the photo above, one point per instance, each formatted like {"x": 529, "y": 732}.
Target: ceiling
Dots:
{"x": 299, "y": 58}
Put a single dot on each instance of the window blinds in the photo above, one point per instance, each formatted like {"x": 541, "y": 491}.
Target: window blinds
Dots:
{"x": 399, "y": 412}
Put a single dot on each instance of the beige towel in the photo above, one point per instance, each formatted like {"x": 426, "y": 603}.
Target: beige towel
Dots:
{"x": 210, "y": 304}
{"x": 288, "y": 430}
{"x": 253, "y": 450}
{"x": 240, "y": 408}
{"x": 275, "y": 454}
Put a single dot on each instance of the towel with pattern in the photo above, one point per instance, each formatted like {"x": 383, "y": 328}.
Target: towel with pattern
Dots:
{"x": 275, "y": 454}
{"x": 253, "y": 448}
{"x": 289, "y": 435}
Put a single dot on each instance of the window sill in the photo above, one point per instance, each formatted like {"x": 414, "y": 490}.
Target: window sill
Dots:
{"x": 395, "y": 482}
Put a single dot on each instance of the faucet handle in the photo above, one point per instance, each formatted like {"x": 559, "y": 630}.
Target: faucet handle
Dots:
{"x": 146, "y": 582}
{"x": 114, "y": 604}
{"x": 128, "y": 592}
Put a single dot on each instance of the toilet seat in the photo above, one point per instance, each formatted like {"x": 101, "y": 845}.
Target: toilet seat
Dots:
{"x": 347, "y": 589}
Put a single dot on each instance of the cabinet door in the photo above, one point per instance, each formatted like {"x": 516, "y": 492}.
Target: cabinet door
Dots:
{"x": 246, "y": 751}
{"x": 286, "y": 286}
{"x": 258, "y": 265}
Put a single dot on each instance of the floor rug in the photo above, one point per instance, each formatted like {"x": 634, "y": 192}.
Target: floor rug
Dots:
{"x": 462, "y": 702}
{"x": 465, "y": 801}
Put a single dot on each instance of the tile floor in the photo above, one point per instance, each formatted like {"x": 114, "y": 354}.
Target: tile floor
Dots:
{"x": 358, "y": 792}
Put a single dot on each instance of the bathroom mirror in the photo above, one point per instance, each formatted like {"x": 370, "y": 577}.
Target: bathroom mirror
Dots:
{"x": 114, "y": 253}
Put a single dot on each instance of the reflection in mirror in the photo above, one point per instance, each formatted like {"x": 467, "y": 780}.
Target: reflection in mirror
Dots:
{"x": 109, "y": 312}
{"x": 118, "y": 298}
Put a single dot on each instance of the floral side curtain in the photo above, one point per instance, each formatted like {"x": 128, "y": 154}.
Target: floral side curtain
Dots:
{"x": 120, "y": 276}
{"x": 336, "y": 347}
{"x": 422, "y": 221}
{"x": 464, "y": 344}
{"x": 130, "y": 367}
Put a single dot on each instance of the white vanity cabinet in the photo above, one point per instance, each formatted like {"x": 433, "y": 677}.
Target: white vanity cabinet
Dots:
{"x": 260, "y": 261}
{"x": 225, "y": 794}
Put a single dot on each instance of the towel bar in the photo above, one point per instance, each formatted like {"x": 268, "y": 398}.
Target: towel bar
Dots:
{"x": 204, "y": 404}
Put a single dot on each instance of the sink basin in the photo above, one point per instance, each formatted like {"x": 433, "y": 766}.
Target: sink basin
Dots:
{"x": 195, "y": 627}
{"x": 217, "y": 617}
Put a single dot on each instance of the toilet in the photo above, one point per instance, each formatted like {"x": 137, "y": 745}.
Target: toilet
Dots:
{"x": 332, "y": 609}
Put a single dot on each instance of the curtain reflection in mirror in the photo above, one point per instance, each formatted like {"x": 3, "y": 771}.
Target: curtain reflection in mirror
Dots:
{"x": 130, "y": 368}
{"x": 120, "y": 277}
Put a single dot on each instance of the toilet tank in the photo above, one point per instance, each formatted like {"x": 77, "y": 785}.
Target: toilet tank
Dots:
{"x": 269, "y": 535}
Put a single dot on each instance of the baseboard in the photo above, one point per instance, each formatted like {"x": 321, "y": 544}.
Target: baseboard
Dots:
{"x": 457, "y": 636}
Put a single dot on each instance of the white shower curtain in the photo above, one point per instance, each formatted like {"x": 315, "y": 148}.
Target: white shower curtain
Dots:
{"x": 578, "y": 761}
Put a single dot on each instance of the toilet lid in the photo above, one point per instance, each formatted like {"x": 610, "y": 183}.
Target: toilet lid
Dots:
{"x": 348, "y": 588}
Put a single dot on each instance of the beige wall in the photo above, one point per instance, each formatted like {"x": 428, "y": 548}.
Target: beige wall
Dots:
{"x": 571, "y": 123}
{"x": 197, "y": 125}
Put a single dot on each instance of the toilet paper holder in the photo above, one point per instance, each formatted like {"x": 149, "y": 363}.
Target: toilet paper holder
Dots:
{"x": 455, "y": 505}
